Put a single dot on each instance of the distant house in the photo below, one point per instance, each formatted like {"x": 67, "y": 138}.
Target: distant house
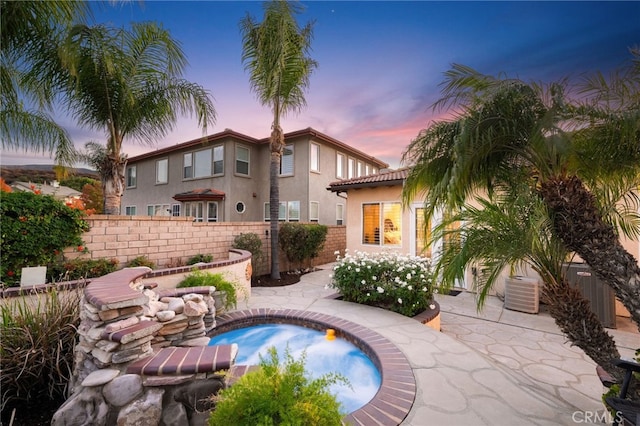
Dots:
{"x": 225, "y": 177}
{"x": 63, "y": 193}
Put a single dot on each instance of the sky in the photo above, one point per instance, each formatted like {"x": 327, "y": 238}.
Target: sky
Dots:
{"x": 381, "y": 63}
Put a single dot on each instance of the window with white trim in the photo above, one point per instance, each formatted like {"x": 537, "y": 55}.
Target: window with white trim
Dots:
{"x": 339, "y": 214}
{"x": 196, "y": 210}
{"x": 218, "y": 160}
{"x": 293, "y": 211}
{"x": 130, "y": 210}
{"x": 162, "y": 171}
{"x": 202, "y": 163}
{"x": 351, "y": 164}
{"x": 366, "y": 170}
{"x": 242, "y": 160}
{"x": 175, "y": 210}
{"x": 187, "y": 166}
{"x": 282, "y": 212}
{"x": 212, "y": 211}
{"x": 314, "y": 211}
{"x": 286, "y": 162}
{"x": 339, "y": 166}
{"x": 131, "y": 177}
{"x": 314, "y": 160}
{"x": 359, "y": 172}
{"x": 158, "y": 210}
{"x": 382, "y": 224}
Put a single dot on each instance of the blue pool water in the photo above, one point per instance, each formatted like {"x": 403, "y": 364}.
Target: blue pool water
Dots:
{"x": 323, "y": 356}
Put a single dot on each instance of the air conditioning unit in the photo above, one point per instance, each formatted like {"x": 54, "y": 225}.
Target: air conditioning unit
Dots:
{"x": 522, "y": 294}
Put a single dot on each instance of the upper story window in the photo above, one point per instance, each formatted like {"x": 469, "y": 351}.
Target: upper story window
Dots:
{"x": 339, "y": 166}
{"x": 314, "y": 161}
{"x": 131, "y": 177}
{"x": 359, "y": 168}
{"x": 367, "y": 170}
{"x": 203, "y": 163}
{"x": 162, "y": 171}
{"x": 218, "y": 160}
{"x": 187, "y": 166}
{"x": 286, "y": 162}
{"x": 242, "y": 160}
{"x": 351, "y": 165}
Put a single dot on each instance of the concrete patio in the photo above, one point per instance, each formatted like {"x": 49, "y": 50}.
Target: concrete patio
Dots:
{"x": 498, "y": 367}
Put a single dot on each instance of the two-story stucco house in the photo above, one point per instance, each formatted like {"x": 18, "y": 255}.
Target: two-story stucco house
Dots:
{"x": 224, "y": 177}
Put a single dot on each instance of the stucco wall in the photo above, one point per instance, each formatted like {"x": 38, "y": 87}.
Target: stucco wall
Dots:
{"x": 170, "y": 241}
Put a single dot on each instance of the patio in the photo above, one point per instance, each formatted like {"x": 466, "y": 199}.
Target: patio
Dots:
{"x": 499, "y": 367}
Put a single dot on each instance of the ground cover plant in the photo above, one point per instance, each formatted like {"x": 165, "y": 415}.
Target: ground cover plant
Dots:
{"x": 38, "y": 338}
{"x": 392, "y": 281}
{"x": 278, "y": 394}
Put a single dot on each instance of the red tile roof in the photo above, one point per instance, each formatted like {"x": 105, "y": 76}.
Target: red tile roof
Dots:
{"x": 200, "y": 194}
{"x": 384, "y": 178}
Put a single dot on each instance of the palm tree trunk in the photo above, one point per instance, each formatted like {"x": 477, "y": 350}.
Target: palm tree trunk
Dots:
{"x": 113, "y": 184}
{"x": 277, "y": 142}
{"x": 573, "y": 315}
{"x": 579, "y": 224}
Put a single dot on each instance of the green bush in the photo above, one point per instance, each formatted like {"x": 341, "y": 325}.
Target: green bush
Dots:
{"x": 198, "y": 258}
{"x": 34, "y": 231}
{"x": 38, "y": 337}
{"x": 399, "y": 283}
{"x": 250, "y": 242}
{"x": 199, "y": 278}
{"x": 141, "y": 261}
{"x": 302, "y": 242}
{"x": 77, "y": 269}
{"x": 278, "y": 394}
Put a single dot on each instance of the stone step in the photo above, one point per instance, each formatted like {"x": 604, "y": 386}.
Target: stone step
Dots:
{"x": 186, "y": 360}
{"x": 113, "y": 291}
{"x": 133, "y": 332}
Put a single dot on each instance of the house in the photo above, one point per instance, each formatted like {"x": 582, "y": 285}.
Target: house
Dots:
{"x": 65, "y": 194}
{"x": 225, "y": 177}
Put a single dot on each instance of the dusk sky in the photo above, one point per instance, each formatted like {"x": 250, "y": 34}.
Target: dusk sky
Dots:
{"x": 380, "y": 62}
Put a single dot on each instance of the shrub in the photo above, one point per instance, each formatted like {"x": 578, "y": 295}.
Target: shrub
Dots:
{"x": 278, "y": 394}
{"x": 200, "y": 258}
{"x": 34, "y": 230}
{"x": 250, "y": 242}
{"x": 77, "y": 269}
{"x": 141, "y": 261}
{"x": 399, "y": 283}
{"x": 199, "y": 278}
{"x": 302, "y": 242}
{"x": 38, "y": 337}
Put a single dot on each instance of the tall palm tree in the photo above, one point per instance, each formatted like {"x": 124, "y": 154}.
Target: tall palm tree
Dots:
{"x": 511, "y": 229}
{"x": 275, "y": 52}
{"x": 504, "y": 126}
{"x": 128, "y": 84}
{"x": 28, "y": 29}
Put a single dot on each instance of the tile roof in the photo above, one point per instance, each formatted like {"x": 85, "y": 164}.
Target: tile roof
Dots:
{"x": 200, "y": 194}
{"x": 384, "y": 178}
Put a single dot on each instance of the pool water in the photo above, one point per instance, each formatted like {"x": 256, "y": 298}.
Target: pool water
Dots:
{"x": 323, "y": 356}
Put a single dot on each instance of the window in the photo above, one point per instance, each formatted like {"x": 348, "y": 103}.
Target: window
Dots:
{"x": 130, "y": 210}
{"x": 131, "y": 177}
{"x": 162, "y": 171}
{"x": 286, "y": 162}
{"x": 195, "y": 210}
{"x": 339, "y": 214}
{"x": 366, "y": 170}
{"x": 158, "y": 210}
{"x": 218, "y": 160}
{"x": 350, "y": 168}
{"x": 339, "y": 166}
{"x": 175, "y": 210}
{"x": 240, "y": 207}
{"x": 314, "y": 211}
{"x": 202, "y": 163}
{"x": 293, "y": 211}
{"x": 242, "y": 160}
{"x": 187, "y": 169}
{"x": 359, "y": 168}
{"x": 212, "y": 212}
{"x": 282, "y": 211}
{"x": 315, "y": 158}
{"x": 382, "y": 216}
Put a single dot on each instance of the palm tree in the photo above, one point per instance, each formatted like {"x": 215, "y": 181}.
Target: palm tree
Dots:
{"x": 275, "y": 54}
{"x": 28, "y": 29}
{"x": 504, "y": 126}
{"x": 128, "y": 84}
{"x": 511, "y": 229}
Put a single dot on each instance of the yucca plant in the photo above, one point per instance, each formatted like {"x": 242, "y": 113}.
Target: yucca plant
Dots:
{"x": 38, "y": 339}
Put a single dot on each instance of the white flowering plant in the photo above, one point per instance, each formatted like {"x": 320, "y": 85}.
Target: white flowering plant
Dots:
{"x": 392, "y": 281}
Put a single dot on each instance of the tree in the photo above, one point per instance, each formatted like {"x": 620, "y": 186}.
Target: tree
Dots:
{"x": 128, "y": 84}
{"x": 275, "y": 54}
{"x": 28, "y": 30}
{"x": 504, "y": 126}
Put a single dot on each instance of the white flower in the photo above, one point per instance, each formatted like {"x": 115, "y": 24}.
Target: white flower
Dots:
{"x": 363, "y": 282}
{"x": 399, "y": 301}
{"x": 410, "y": 288}
{"x": 375, "y": 278}
{"x": 368, "y": 294}
{"x": 357, "y": 269}
{"x": 380, "y": 290}
{"x": 408, "y": 276}
{"x": 432, "y": 306}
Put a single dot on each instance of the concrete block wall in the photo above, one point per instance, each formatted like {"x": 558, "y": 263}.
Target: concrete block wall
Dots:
{"x": 170, "y": 241}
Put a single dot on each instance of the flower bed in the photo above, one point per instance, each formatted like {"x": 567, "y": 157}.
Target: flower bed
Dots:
{"x": 399, "y": 283}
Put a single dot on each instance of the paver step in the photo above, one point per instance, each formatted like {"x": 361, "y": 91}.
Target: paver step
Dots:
{"x": 186, "y": 360}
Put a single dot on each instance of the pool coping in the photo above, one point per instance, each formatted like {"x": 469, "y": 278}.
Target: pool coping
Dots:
{"x": 393, "y": 401}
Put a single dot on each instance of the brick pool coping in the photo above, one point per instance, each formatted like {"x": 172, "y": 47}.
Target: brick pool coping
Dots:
{"x": 394, "y": 399}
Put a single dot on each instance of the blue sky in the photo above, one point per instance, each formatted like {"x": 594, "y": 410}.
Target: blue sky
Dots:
{"x": 380, "y": 62}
